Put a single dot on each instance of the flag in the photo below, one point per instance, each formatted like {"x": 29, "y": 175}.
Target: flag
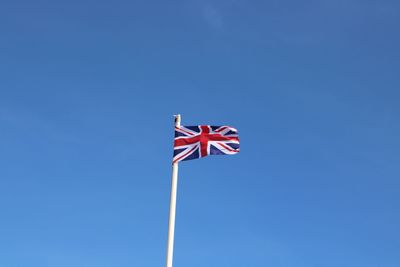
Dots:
{"x": 193, "y": 142}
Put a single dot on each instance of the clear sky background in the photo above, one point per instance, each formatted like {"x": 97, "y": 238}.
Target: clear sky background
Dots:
{"x": 87, "y": 94}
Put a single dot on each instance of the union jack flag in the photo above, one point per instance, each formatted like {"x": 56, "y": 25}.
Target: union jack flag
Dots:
{"x": 193, "y": 142}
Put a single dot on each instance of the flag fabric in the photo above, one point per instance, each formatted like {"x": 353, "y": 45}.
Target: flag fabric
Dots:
{"x": 193, "y": 142}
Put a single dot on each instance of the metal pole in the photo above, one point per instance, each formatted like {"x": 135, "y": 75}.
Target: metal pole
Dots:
{"x": 172, "y": 207}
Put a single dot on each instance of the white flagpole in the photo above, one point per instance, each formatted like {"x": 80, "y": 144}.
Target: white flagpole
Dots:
{"x": 172, "y": 207}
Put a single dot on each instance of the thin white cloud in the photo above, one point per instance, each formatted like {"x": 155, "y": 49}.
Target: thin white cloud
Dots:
{"x": 213, "y": 17}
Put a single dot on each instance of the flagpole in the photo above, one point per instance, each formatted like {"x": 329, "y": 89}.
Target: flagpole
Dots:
{"x": 172, "y": 207}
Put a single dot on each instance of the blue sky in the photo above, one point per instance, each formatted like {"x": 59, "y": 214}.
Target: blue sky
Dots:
{"x": 87, "y": 94}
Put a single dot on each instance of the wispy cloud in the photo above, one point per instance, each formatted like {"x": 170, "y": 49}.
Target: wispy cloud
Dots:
{"x": 212, "y": 16}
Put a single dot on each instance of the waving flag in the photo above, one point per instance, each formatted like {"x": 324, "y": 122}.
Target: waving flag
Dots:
{"x": 193, "y": 142}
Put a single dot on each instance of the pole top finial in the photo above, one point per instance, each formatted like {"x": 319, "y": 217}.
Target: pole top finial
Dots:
{"x": 177, "y": 120}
